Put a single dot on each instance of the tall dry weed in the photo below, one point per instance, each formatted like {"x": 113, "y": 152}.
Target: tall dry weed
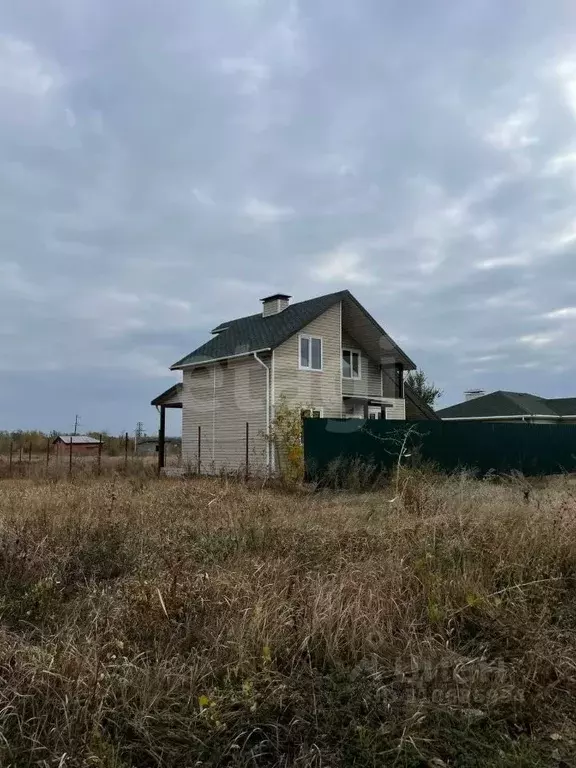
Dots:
{"x": 152, "y": 622}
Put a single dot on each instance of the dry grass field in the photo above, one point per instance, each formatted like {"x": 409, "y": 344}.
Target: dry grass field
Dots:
{"x": 150, "y": 622}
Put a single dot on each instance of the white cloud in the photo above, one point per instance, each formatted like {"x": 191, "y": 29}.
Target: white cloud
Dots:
{"x": 486, "y": 358}
{"x": 202, "y": 197}
{"x": 515, "y": 132}
{"x": 113, "y": 313}
{"x": 561, "y": 163}
{"x": 498, "y": 262}
{"x": 24, "y": 71}
{"x": 70, "y": 117}
{"x": 252, "y": 74}
{"x": 342, "y": 266}
{"x": 538, "y": 339}
{"x": 262, "y": 212}
{"x": 562, "y": 314}
{"x": 565, "y": 71}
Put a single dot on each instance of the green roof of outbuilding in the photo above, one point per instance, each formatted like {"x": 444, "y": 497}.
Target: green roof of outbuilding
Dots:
{"x": 504, "y": 404}
{"x": 564, "y": 406}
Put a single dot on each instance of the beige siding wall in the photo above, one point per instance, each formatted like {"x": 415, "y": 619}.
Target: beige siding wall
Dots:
{"x": 322, "y": 389}
{"x": 398, "y": 410}
{"x": 371, "y": 383}
{"x": 220, "y": 399}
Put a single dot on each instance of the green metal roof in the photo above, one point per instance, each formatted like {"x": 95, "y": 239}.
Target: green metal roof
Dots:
{"x": 564, "y": 406}
{"x": 503, "y": 403}
{"x": 257, "y": 333}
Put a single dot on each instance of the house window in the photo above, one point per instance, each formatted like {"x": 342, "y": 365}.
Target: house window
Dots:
{"x": 351, "y": 364}
{"x": 311, "y": 413}
{"x": 310, "y": 353}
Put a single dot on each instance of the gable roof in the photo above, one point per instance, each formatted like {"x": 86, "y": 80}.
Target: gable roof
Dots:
{"x": 257, "y": 333}
{"x": 416, "y": 408}
{"x": 78, "y": 439}
{"x": 174, "y": 392}
{"x": 563, "y": 406}
{"x": 513, "y": 404}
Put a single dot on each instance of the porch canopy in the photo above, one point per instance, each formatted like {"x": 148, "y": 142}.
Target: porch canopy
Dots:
{"x": 172, "y": 398}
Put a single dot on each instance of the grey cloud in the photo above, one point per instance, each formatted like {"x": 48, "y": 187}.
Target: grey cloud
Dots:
{"x": 162, "y": 166}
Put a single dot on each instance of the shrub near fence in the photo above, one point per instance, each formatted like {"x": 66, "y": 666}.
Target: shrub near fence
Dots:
{"x": 532, "y": 449}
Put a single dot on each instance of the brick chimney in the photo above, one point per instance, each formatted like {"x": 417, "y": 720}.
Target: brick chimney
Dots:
{"x": 472, "y": 394}
{"x": 272, "y": 305}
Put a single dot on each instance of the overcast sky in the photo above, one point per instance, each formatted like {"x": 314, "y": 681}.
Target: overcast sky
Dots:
{"x": 163, "y": 165}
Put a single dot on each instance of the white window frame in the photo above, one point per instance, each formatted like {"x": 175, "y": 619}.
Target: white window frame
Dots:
{"x": 352, "y": 352}
{"x": 312, "y": 410}
{"x": 309, "y": 367}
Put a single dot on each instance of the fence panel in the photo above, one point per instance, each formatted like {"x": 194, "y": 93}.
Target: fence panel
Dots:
{"x": 533, "y": 449}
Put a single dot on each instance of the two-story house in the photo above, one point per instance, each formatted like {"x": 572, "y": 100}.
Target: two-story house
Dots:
{"x": 327, "y": 356}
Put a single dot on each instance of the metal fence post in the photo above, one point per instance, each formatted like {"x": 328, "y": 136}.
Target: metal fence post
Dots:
{"x": 199, "y": 448}
{"x": 20, "y": 456}
{"x": 126, "y": 449}
{"x": 246, "y": 450}
{"x": 30, "y": 453}
{"x": 47, "y": 451}
{"x": 100, "y": 455}
{"x": 10, "y": 459}
{"x": 70, "y": 458}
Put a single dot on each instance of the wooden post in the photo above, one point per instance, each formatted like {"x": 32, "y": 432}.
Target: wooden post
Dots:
{"x": 366, "y": 411}
{"x": 126, "y": 441}
{"x": 100, "y": 455}
{"x": 199, "y": 449}
{"x": 47, "y": 451}
{"x": 30, "y": 453}
{"x": 20, "y": 457}
{"x": 162, "y": 439}
{"x": 246, "y": 451}
{"x": 10, "y": 459}
{"x": 70, "y": 457}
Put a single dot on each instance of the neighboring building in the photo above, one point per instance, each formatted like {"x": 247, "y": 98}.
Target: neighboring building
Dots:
{"x": 327, "y": 355}
{"x": 148, "y": 446}
{"x": 511, "y": 407}
{"x": 81, "y": 444}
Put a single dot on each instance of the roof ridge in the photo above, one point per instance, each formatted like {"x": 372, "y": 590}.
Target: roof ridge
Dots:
{"x": 259, "y": 333}
{"x": 290, "y": 306}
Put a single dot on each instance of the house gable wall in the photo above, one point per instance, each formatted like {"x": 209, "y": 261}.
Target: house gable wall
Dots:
{"x": 321, "y": 389}
{"x": 221, "y": 399}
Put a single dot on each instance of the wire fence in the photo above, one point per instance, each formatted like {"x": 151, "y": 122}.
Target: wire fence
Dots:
{"x": 243, "y": 454}
{"x": 59, "y": 459}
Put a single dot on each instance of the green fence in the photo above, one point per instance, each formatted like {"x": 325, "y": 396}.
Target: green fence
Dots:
{"x": 533, "y": 449}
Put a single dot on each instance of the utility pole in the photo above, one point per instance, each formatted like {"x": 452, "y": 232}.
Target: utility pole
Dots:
{"x": 138, "y": 434}
{"x": 76, "y": 423}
